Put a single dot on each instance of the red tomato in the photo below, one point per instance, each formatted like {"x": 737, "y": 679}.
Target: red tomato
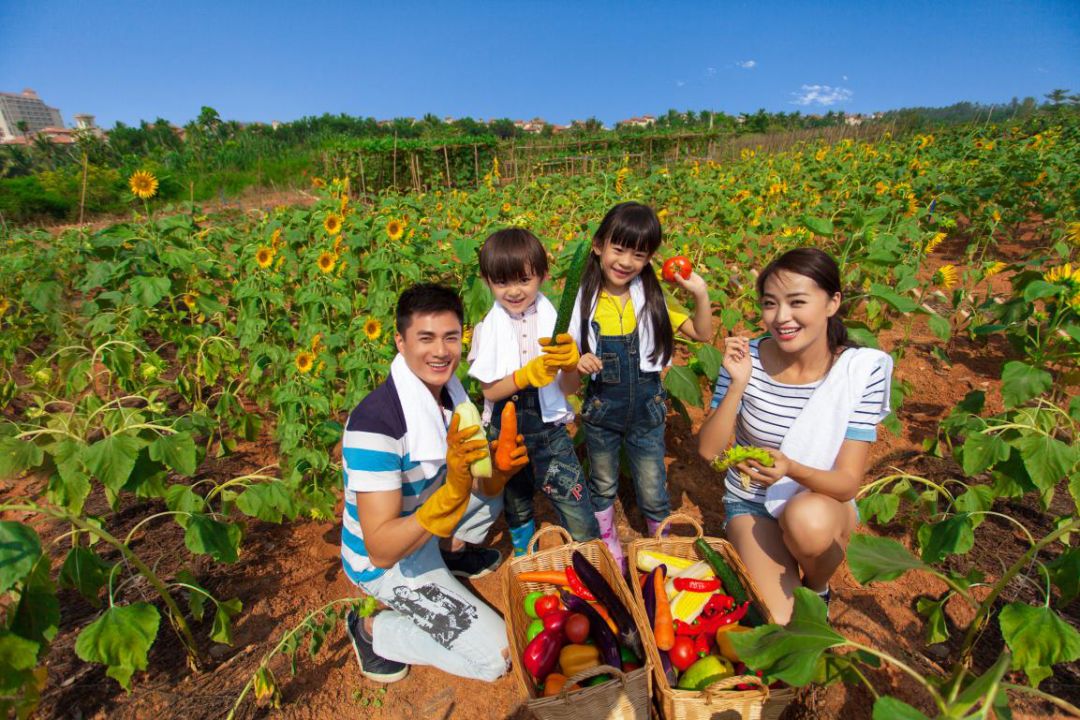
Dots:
{"x": 546, "y": 604}
{"x": 682, "y": 653}
{"x": 679, "y": 264}
{"x": 576, "y": 628}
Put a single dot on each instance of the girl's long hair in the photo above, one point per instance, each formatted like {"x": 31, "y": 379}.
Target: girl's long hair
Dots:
{"x": 819, "y": 266}
{"x": 635, "y": 227}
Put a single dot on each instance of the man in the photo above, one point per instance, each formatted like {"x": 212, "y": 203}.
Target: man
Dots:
{"x": 407, "y": 484}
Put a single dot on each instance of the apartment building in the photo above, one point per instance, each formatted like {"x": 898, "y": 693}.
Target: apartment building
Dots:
{"x": 26, "y": 108}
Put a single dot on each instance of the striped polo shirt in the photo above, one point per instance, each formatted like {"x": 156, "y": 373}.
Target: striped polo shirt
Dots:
{"x": 375, "y": 457}
{"x": 768, "y": 409}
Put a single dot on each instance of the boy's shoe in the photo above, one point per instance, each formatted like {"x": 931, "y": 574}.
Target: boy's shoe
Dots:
{"x": 472, "y": 562}
{"x": 372, "y": 666}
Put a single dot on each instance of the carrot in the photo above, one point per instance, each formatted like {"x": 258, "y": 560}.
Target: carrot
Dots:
{"x": 602, "y": 612}
{"x": 555, "y": 577}
{"x": 507, "y": 438}
{"x": 663, "y": 628}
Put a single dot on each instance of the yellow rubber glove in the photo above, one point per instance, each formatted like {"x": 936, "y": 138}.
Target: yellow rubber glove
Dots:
{"x": 561, "y": 353}
{"x": 536, "y": 374}
{"x": 441, "y": 513}
{"x": 519, "y": 458}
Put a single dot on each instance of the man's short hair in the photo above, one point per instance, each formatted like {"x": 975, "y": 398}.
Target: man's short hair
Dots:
{"x": 512, "y": 254}
{"x": 427, "y": 299}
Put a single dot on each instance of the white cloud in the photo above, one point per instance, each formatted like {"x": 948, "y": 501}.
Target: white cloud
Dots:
{"x": 710, "y": 71}
{"x": 823, "y": 95}
{"x": 747, "y": 64}
{"x": 680, "y": 83}
{"x": 845, "y": 78}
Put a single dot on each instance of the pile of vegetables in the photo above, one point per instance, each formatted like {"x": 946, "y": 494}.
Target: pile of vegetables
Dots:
{"x": 693, "y": 608}
{"x": 580, "y": 625}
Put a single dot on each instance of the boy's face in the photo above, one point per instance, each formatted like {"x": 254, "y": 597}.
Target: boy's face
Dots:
{"x": 516, "y": 296}
{"x": 431, "y": 346}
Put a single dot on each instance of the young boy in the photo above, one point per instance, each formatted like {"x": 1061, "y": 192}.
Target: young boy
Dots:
{"x": 408, "y": 484}
{"x": 515, "y": 359}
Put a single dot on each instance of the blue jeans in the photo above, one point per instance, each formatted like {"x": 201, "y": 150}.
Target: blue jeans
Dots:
{"x": 734, "y": 506}
{"x": 625, "y": 409}
{"x": 553, "y": 469}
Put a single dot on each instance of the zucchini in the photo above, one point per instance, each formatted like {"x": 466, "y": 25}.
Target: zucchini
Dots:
{"x": 468, "y": 415}
{"x": 730, "y": 580}
{"x": 570, "y": 288}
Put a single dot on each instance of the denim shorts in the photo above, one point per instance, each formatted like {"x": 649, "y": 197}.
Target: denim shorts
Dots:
{"x": 735, "y": 506}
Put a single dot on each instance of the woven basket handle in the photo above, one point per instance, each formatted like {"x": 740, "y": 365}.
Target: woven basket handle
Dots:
{"x": 730, "y": 682}
{"x": 682, "y": 518}
{"x": 531, "y": 547}
{"x": 588, "y": 673}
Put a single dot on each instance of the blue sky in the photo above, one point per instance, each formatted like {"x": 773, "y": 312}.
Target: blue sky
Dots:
{"x": 127, "y": 61}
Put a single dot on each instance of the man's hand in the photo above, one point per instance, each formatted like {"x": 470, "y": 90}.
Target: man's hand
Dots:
{"x": 500, "y": 473}
{"x": 536, "y": 374}
{"x": 561, "y": 353}
{"x": 442, "y": 512}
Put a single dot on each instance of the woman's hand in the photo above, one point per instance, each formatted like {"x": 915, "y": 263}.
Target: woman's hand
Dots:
{"x": 589, "y": 364}
{"x": 762, "y": 475}
{"x": 737, "y": 360}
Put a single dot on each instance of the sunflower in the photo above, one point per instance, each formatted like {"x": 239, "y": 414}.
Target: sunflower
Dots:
{"x": 466, "y": 335}
{"x": 994, "y": 268}
{"x": 1072, "y": 232}
{"x": 946, "y": 276}
{"x": 189, "y": 299}
{"x": 506, "y": 208}
{"x": 318, "y": 183}
{"x": 275, "y": 238}
{"x": 880, "y": 188}
{"x": 304, "y": 361}
{"x": 265, "y": 257}
{"x": 143, "y": 184}
{"x": 1069, "y": 277}
{"x": 4, "y": 305}
{"x": 372, "y": 328}
{"x": 332, "y": 223}
{"x": 326, "y": 262}
{"x": 395, "y": 229}
{"x": 933, "y": 242}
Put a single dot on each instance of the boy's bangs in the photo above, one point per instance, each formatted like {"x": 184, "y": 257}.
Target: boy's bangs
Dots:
{"x": 508, "y": 268}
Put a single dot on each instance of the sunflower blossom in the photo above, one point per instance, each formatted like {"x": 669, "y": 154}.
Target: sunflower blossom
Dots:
{"x": 395, "y": 229}
{"x": 1072, "y": 232}
{"x": 326, "y": 262}
{"x": 264, "y": 257}
{"x": 994, "y": 268}
{"x": 946, "y": 276}
{"x": 332, "y": 223}
{"x": 372, "y": 329}
{"x": 933, "y": 242}
{"x": 304, "y": 361}
{"x": 143, "y": 184}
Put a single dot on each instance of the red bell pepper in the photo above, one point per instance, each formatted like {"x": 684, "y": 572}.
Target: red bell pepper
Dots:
{"x": 541, "y": 654}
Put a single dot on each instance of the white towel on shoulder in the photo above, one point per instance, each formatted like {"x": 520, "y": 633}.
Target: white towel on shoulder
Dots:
{"x": 644, "y": 327}
{"x": 425, "y": 423}
{"x": 498, "y": 355}
{"x": 815, "y": 437}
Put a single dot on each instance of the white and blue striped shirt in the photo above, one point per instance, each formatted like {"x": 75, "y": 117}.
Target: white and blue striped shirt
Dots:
{"x": 375, "y": 457}
{"x": 768, "y": 408}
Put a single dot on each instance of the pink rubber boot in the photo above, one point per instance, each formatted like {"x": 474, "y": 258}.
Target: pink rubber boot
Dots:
{"x": 654, "y": 525}
{"x": 606, "y": 520}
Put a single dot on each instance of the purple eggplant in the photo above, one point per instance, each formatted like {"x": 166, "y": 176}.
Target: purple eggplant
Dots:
{"x": 598, "y": 629}
{"x": 598, "y": 586}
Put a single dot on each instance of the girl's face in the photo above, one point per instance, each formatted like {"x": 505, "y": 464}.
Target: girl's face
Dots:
{"x": 516, "y": 296}
{"x": 619, "y": 265}
{"x": 796, "y": 311}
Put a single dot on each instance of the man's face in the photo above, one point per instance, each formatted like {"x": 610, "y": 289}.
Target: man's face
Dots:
{"x": 431, "y": 346}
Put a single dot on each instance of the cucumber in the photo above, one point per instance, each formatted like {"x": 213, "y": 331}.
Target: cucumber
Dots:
{"x": 570, "y": 289}
{"x": 469, "y": 416}
{"x": 730, "y": 580}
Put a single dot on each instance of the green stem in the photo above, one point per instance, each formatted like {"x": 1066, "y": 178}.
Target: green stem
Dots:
{"x": 1063, "y": 704}
{"x": 915, "y": 674}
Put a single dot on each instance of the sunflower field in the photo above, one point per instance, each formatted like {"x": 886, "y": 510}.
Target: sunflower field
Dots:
{"x": 135, "y": 356}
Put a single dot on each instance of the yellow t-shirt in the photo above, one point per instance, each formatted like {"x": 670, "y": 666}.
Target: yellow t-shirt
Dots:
{"x": 616, "y": 315}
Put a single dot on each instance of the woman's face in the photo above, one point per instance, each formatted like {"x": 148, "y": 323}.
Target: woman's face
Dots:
{"x": 796, "y": 311}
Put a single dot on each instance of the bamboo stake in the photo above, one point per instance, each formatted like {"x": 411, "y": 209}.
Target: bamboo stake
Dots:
{"x": 394, "y": 160}
{"x": 476, "y": 163}
{"x": 363, "y": 180}
{"x": 82, "y": 196}
{"x": 446, "y": 160}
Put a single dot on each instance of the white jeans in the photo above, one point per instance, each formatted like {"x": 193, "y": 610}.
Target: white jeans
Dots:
{"x": 435, "y": 620}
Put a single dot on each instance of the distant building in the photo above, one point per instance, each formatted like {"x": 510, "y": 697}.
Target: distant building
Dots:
{"x": 643, "y": 121}
{"x": 26, "y": 111}
{"x": 85, "y": 124}
{"x": 534, "y": 126}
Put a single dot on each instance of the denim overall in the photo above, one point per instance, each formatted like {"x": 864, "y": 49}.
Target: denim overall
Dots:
{"x": 553, "y": 468}
{"x": 625, "y": 407}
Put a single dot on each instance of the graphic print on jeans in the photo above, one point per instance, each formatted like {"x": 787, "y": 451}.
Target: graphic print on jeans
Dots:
{"x": 435, "y": 610}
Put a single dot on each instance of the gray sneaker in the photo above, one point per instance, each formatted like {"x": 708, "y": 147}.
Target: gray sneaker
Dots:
{"x": 372, "y": 666}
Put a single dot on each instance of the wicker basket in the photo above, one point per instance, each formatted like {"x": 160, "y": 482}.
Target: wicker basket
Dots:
{"x": 719, "y": 701}
{"x": 626, "y": 697}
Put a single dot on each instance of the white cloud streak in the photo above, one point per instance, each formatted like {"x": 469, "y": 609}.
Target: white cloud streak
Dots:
{"x": 747, "y": 64}
{"x": 823, "y": 95}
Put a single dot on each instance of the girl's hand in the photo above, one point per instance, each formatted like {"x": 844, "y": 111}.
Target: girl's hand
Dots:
{"x": 737, "y": 360}
{"x": 695, "y": 284}
{"x": 589, "y": 364}
{"x": 767, "y": 475}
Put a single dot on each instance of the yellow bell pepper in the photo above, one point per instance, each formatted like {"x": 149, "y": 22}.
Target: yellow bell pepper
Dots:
{"x": 575, "y": 657}
{"x": 723, "y": 640}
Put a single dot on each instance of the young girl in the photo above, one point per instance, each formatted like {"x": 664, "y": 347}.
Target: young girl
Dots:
{"x": 625, "y": 333}
{"x": 812, "y": 400}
